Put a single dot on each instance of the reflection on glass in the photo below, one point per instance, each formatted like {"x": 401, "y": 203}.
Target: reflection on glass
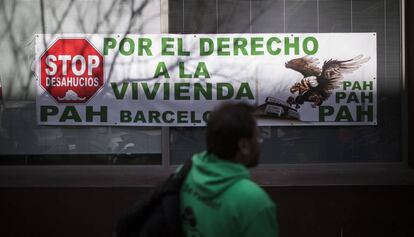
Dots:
{"x": 297, "y": 145}
{"x": 21, "y": 136}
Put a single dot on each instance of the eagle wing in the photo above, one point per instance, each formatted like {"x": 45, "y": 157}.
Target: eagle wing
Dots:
{"x": 306, "y": 65}
{"x": 333, "y": 70}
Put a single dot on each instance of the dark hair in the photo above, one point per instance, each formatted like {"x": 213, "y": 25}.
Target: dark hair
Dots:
{"x": 226, "y": 125}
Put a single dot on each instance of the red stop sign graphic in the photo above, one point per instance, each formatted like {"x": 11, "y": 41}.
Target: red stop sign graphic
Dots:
{"x": 71, "y": 70}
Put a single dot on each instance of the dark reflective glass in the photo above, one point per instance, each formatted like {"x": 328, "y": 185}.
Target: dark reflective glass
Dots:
{"x": 381, "y": 143}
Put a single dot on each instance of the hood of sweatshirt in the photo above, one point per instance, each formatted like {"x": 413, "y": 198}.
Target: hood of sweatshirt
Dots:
{"x": 210, "y": 176}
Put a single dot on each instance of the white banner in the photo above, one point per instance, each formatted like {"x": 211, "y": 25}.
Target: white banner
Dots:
{"x": 175, "y": 80}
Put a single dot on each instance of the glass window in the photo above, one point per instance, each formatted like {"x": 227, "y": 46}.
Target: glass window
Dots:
{"x": 381, "y": 143}
{"x": 24, "y": 142}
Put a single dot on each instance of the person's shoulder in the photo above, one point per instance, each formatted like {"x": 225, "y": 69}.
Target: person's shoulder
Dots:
{"x": 246, "y": 191}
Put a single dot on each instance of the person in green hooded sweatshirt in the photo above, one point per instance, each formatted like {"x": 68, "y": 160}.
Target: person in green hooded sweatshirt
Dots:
{"x": 218, "y": 198}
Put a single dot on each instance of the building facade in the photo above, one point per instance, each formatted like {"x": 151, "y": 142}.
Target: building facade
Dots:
{"x": 326, "y": 180}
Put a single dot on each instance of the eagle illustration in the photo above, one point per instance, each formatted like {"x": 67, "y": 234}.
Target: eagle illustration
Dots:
{"x": 318, "y": 84}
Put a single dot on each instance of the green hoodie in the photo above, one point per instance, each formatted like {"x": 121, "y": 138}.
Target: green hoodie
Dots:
{"x": 218, "y": 199}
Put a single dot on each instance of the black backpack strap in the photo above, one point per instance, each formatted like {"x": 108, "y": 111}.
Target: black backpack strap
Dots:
{"x": 171, "y": 202}
{"x": 174, "y": 182}
{"x": 185, "y": 169}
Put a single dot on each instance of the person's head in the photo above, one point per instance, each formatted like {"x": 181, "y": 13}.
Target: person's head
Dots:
{"x": 232, "y": 134}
